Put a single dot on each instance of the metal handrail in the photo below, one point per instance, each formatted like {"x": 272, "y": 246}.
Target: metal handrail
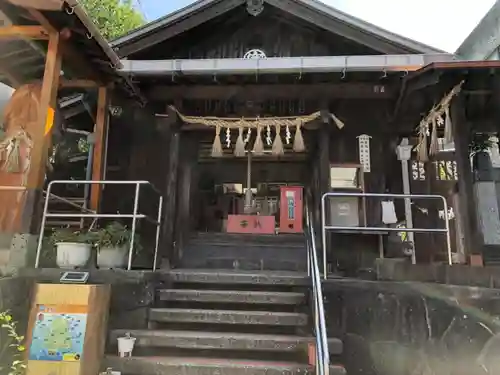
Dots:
{"x": 322, "y": 353}
{"x": 91, "y": 214}
{"x": 325, "y": 227}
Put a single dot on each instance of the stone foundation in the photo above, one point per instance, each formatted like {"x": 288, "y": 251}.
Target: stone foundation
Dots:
{"x": 395, "y": 328}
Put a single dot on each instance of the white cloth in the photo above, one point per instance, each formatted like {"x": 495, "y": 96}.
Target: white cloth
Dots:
{"x": 388, "y": 212}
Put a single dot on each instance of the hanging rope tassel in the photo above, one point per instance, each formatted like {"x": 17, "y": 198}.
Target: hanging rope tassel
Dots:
{"x": 298, "y": 141}
{"x": 434, "y": 148}
{"x": 217, "y": 145}
{"x": 239, "y": 148}
{"x": 278, "y": 143}
{"x": 448, "y": 127}
{"x": 258, "y": 146}
{"x": 422, "y": 154}
{"x": 337, "y": 121}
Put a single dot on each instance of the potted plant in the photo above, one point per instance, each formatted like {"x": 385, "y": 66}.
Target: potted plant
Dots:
{"x": 73, "y": 247}
{"x": 112, "y": 243}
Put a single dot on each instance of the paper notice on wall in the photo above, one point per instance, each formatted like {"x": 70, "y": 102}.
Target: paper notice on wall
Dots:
{"x": 364, "y": 152}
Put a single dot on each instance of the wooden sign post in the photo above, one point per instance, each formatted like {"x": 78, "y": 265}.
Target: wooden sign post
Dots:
{"x": 67, "y": 329}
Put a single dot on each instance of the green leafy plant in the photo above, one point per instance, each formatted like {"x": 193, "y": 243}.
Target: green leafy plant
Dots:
{"x": 69, "y": 235}
{"x": 116, "y": 235}
{"x": 12, "y": 349}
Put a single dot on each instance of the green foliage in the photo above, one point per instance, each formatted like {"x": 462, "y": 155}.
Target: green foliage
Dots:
{"x": 114, "y": 18}
{"x": 69, "y": 235}
{"x": 116, "y": 235}
{"x": 11, "y": 349}
{"x": 479, "y": 142}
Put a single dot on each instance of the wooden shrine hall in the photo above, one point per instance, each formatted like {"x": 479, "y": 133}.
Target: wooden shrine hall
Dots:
{"x": 236, "y": 111}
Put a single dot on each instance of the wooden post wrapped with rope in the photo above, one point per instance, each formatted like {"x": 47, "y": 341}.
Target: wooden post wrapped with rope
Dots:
{"x": 28, "y": 124}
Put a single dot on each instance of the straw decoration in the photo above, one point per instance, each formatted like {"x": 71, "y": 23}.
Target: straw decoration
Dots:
{"x": 448, "y": 127}
{"x": 217, "y": 145}
{"x": 239, "y": 148}
{"x": 434, "y": 147}
{"x": 278, "y": 143}
{"x": 258, "y": 146}
{"x": 442, "y": 109}
{"x": 337, "y": 121}
{"x": 261, "y": 124}
{"x": 422, "y": 153}
{"x": 298, "y": 141}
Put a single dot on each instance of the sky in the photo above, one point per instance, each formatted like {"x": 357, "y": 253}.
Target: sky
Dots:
{"x": 439, "y": 23}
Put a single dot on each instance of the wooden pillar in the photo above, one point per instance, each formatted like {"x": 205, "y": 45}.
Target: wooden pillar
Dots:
{"x": 324, "y": 175}
{"x": 185, "y": 177}
{"x": 100, "y": 145}
{"x": 168, "y": 237}
{"x": 41, "y": 136}
{"x": 461, "y": 135}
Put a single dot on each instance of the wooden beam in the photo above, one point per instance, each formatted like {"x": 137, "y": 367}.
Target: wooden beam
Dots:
{"x": 48, "y": 104}
{"x": 39, "y": 4}
{"x": 100, "y": 144}
{"x": 40, "y": 18}
{"x": 267, "y": 91}
{"x": 79, "y": 83}
{"x": 29, "y": 32}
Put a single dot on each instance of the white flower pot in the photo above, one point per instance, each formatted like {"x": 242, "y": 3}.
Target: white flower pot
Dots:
{"x": 125, "y": 346}
{"x": 112, "y": 257}
{"x": 71, "y": 255}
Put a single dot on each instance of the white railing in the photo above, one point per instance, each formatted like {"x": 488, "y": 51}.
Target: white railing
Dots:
{"x": 322, "y": 353}
{"x": 354, "y": 229}
{"x": 135, "y": 215}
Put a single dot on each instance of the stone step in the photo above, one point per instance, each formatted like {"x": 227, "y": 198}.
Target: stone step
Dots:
{"x": 232, "y": 296}
{"x": 214, "y": 276}
{"x": 227, "y": 317}
{"x": 221, "y": 340}
{"x": 204, "y": 366}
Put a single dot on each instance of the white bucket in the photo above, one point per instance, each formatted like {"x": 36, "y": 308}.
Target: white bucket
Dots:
{"x": 125, "y": 346}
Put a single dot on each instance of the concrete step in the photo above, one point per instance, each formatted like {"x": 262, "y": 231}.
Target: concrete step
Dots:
{"x": 214, "y": 276}
{"x": 222, "y": 340}
{"x": 204, "y": 366}
{"x": 232, "y": 296}
{"x": 227, "y": 317}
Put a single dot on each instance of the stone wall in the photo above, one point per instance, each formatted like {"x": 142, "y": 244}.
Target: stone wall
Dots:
{"x": 392, "y": 328}
{"x": 132, "y": 292}
{"x": 402, "y": 270}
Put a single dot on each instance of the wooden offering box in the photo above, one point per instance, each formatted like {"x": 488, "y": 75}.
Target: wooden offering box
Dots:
{"x": 67, "y": 329}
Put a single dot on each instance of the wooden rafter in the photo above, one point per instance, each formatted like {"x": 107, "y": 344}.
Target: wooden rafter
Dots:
{"x": 40, "y": 18}
{"x": 29, "y": 32}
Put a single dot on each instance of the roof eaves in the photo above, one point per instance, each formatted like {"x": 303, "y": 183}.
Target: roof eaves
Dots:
{"x": 482, "y": 36}
{"x": 162, "y": 22}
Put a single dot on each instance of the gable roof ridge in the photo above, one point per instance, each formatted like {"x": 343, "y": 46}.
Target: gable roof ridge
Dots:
{"x": 314, "y": 5}
{"x": 369, "y": 27}
{"x": 162, "y": 21}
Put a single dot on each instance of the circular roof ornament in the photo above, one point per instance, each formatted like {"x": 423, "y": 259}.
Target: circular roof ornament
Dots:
{"x": 255, "y": 7}
{"x": 255, "y": 54}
